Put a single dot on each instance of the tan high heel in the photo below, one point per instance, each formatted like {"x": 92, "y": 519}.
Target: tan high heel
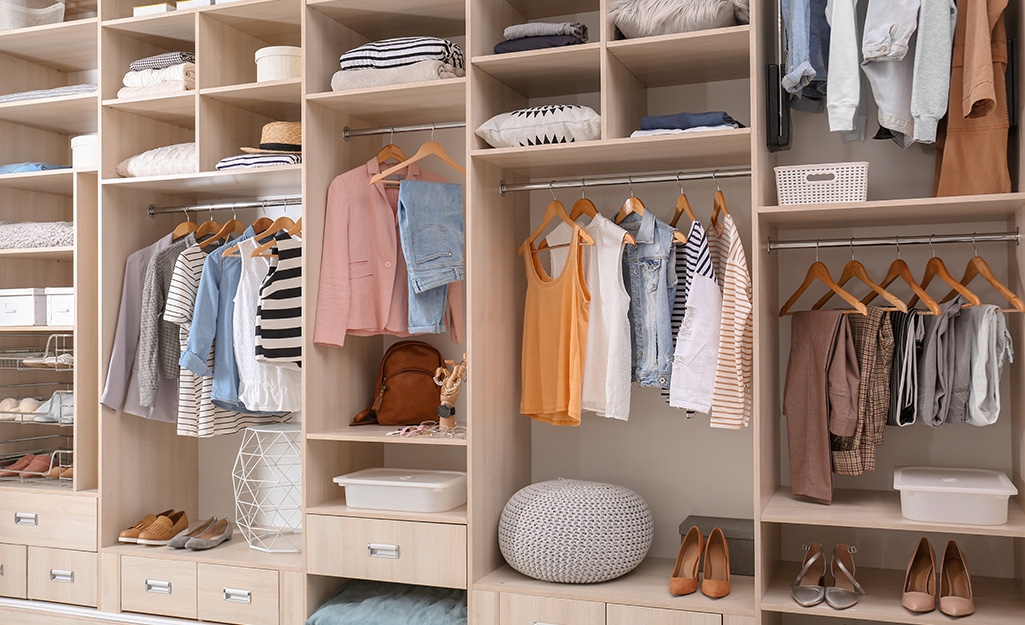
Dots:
{"x": 808, "y": 588}
{"x": 685, "y": 575}
{"x": 716, "y": 580}
{"x": 920, "y": 581}
{"x": 844, "y": 592}
{"x": 956, "y": 598}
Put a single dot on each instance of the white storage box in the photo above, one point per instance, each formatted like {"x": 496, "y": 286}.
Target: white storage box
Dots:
{"x": 278, "y": 63}
{"x": 963, "y": 496}
{"x": 22, "y": 307}
{"x": 408, "y": 490}
{"x": 85, "y": 151}
{"x": 193, "y": 4}
{"x": 153, "y": 9}
{"x": 25, "y": 13}
{"x": 60, "y": 306}
{"x": 822, "y": 184}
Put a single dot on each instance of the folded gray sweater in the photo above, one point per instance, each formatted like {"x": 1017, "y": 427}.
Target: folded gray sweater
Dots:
{"x": 545, "y": 29}
{"x": 57, "y": 92}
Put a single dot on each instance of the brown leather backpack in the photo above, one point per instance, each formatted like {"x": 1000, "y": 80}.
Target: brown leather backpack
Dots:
{"x": 405, "y": 392}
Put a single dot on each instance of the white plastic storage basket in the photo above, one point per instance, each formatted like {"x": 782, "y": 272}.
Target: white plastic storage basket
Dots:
{"x": 941, "y": 495}
{"x": 409, "y": 490}
{"x": 26, "y": 13}
{"x": 822, "y": 184}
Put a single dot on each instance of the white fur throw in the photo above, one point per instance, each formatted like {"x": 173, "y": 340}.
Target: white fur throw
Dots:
{"x": 645, "y": 18}
{"x": 169, "y": 160}
{"x": 31, "y": 234}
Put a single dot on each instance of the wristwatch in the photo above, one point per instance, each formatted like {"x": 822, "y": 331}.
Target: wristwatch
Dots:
{"x": 446, "y": 411}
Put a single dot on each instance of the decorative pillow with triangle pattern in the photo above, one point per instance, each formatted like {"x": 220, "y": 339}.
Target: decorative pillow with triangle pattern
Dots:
{"x": 538, "y": 125}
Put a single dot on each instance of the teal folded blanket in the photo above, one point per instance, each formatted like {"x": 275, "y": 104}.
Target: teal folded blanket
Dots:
{"x": 377, "y": 603}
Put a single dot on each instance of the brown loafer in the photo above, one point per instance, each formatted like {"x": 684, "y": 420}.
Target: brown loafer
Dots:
{"x": 161, "y": 531}
{"x": 131, "y": 535}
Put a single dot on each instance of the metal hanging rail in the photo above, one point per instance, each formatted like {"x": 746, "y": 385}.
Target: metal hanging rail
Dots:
{"x": 984, "y": 237}
{"x": 348, "y": 133}
{"x": 608, "y": 181}
{"x": 291, "y": 200}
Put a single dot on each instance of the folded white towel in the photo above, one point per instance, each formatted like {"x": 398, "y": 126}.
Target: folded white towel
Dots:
{"x": 147, "y": 77}
{"x": 161, "y": 88}
{"x": 417, "y": 72}
{"x": 676, "y": 131}
{"x": 169, "y": 160}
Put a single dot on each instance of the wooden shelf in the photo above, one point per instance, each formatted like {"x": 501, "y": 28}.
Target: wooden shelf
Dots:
{"x": 337, "y": 507}
{"x": 378, "y": 434}
{"x": 41, "y": 329}
{"x": 235, "y": 552}
{"x": 398, "y": 105}
{"x": 265, "y": 182}
{"x": 55, "y": 181}
{"x": 40, "y": 253}
{"x": 964, "y": 208}
{"x": 719, "y": 148}
{"x": 532, "y": 9}
{"x": 397, "y": 18}
{"x": 172, "y": 31}
{"x": 175, "y": 108}
{"x": 280, "y": 99}
{"x": 876, "y": 510}
{"x": 998, "y": 601}
{"x": 46, "y": 486}
{"x": 70, "y": 114}
{"x": 694, "y": 57}
{"x": 67, "y": 46}
{"x": 647, "y": 585}
{"x": 277, "y": 22}
{"x": 548, "y": 72}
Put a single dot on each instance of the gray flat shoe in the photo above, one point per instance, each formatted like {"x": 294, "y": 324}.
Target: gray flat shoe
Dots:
{"x": 179, "y": 541}
{"x": 216, "y": 534}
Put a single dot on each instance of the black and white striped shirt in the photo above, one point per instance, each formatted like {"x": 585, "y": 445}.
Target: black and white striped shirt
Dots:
{"x": 692, "y": 259}
{"x": 402, "y": 51}
{"x": 280, "y": 313}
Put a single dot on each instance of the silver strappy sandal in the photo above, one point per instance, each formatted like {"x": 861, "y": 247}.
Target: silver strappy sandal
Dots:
{"x": 808, "y": 588}
{"x": 844, "y": 592}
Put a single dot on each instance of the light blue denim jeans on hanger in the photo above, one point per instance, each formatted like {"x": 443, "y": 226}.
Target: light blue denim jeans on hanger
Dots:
{"x": 431, "y": 230}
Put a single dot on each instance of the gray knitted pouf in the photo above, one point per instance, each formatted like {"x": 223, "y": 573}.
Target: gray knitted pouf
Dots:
{"x": 575, "y": 532}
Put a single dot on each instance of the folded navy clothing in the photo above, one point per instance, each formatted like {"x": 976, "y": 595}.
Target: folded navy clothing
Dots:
{"x": 683, "y": 121}
{"x": 535, "y": 43}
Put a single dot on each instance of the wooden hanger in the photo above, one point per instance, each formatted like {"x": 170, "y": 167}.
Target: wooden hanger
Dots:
{"x": 900, "y": 269}
{"x": 978, "y": 267}
{"x": 935, "y": 267}
{"x": 633, "y": 204}
{"x": 233, "y": 226}
{"x": 207, "y": 228}
{"x": 854, "y": 269}
{"x": 431, "y": 148}
{"x": 184, "y": 228}
{"x": 554, "y": 209}
{"x": 391, "y": 152}
{"x": 281, "y": 223}
{"x": 295, "y": 230}
{"x": 682, "y": 206}
{"x": 818, "y": 271}
{"x": 583, "y": 206}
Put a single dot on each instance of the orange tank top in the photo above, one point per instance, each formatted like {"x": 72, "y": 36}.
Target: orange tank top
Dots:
{"x": 554, "y": 338}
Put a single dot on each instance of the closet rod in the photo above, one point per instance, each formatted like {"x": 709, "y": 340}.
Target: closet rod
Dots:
{"x": 291, "y": 200}
{"x": 599, "y": 181}
{"x": 984, "y": 237}
{"x": 362, "y": 132}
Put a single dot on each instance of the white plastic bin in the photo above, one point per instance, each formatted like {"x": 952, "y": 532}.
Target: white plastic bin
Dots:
{"x": 278, "y": 63}
{"x": 25, "y": 13}
{"x": 22, "y": 307}
{"x": 407, "y": 490}
{"x": 962, "y": 496}
{"x": 85, "y": 151}
{"x": 60, "y": 306}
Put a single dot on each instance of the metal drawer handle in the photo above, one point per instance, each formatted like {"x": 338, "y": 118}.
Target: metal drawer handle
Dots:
{"x": 375, "y": 550}
{"x": 1, "y": 570}
{"x": 158, "y": 587}
{"x": 542, "y": 623}
{"x": 26, "y": 518}
{"x": 238, "y": 596}
{"x": 65, "y": 577}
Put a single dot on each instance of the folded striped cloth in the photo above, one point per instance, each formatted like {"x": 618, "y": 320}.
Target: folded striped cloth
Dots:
{"x": 546, "y": 29}
{"x": 251, "y": 161}
{"x": 160, "y": 61}
{"x": 417, "y": 72}
{"x": 48, "y": 93}
{"x": 147, "y": 77}
{"x": 402, "y": 51}
{"x": 161, "y": 88}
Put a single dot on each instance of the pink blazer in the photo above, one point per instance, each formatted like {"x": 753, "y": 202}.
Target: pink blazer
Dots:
{"x": 363, "y": 283}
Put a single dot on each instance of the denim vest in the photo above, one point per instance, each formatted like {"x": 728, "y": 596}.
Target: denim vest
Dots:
{"x": 650, "y": 276}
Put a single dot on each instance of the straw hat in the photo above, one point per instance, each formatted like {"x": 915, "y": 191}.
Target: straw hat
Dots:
{"x": 279, "y": 138}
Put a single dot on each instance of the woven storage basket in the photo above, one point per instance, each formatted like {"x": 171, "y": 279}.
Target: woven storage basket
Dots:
{"x": 822, "y": 184}
{"x": 575, "y": 532}
{"x": 25, "y": 13}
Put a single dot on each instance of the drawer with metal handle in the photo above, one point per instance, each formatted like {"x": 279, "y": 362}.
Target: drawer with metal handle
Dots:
{"x": 155, "y": 586}
{"x": 233, "y": 594}
{"x": 62, "y": 576}
{"x": 62, "y": 521}
{"x": 430, "y": 554}
{"x": 531, "y": 610}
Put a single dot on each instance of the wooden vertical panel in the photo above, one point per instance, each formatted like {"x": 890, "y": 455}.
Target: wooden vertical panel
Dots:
{"x": 21, "y": 75}
{"x": 291, "y": 597}
{"x": 483, "y": 608}
{"x": 324, "y": 40}
{"x": 624, "y": 99}
{"x": 110, "y": 593}
{"x": 233, "y": 49}
{"x": 319, "y": 588}
{"x": 1016, "y": 373}
{"x": 87, "y": 326}
{"x": 486, "y": 20}
{"x": 763, "y": 46}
